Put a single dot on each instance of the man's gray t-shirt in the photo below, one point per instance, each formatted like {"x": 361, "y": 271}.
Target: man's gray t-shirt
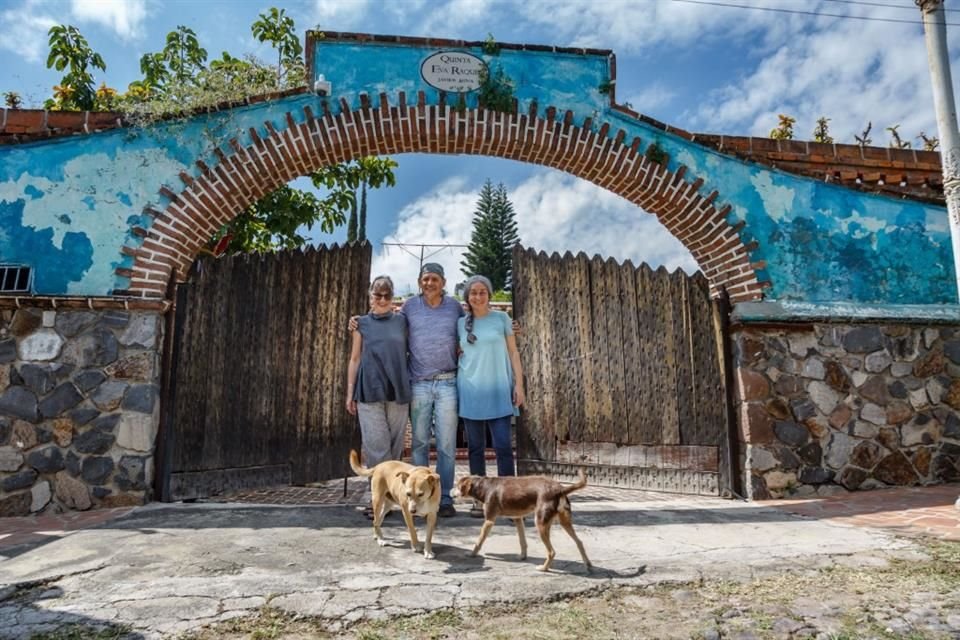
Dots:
{"x": 432, "y": 337}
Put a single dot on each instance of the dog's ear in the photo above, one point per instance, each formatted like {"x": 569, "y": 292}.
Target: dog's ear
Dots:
{"x": 403, "y": 475}
{"x": 433, "y": 479}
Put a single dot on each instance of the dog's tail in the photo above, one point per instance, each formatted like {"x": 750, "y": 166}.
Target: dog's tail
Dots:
{"x": 579, "y": 484}
{"x": 358, "y": 468}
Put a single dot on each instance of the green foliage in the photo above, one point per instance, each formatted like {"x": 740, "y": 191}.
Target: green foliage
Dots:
{"x": 182, "y": 55}
{"x": 278, "y": 29}
{"x": 655, "y": 153}
{"x": 490, "y": 46}
{"x": 496, "y": 90}
{"x": 494, "y": 235}
{"x": 362, "y": 230}
{"x": 822, "y": 132}
{"x": 70, "y": 52}
{"x": 929, "y": 144}
{"x": 784, "y": 130}
{"x": 864, "y": 138}
{"x": 895, "y": 141}
{"x": 501, "y": 296}
{"x": 272, "y": 222}
{"x": 12, "y": 100}
{"x": 352, "y": 223}
{"x": 176, "y": 81}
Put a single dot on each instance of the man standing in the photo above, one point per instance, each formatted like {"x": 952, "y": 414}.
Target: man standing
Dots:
{"x": 432, "y": 323}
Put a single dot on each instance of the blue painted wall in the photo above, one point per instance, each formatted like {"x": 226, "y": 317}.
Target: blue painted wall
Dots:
{"x": 67, "y": 206}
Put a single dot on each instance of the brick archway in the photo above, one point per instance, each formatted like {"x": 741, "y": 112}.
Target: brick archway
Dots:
{"x": 204, "y": 203}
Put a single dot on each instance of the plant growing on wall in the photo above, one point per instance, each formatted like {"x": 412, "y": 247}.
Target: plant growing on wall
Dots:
{"x": 864, "y": 138}
{"x": 655, "y": 153}
{"x": 490, "y": 46}
{"x": 929, "y": 143}
{"x": 70, "y": 52}
{"x": 895, "y": 141}
{"x": 822, "y": 132}
{"x": 278, "y": 29}
{"x": 784, "y": 130}
{"x": 12, "y": 100}
{"x": 496, "y": 90}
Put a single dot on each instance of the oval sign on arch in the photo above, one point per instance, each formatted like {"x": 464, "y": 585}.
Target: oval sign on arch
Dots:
{"x": 453, "y": 71}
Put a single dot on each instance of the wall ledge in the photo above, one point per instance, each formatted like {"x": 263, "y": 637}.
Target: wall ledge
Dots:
{"x": 787, "y": 312}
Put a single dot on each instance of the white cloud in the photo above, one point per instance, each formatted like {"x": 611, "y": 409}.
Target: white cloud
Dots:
{"x": 124, "y": 17}
{"x": 555, "y": 212}
{"x": 337, "y": 14}
{"x": 650, "y": 99}
{"x": 845, "y": 70}
{"x": 24, "y": 31}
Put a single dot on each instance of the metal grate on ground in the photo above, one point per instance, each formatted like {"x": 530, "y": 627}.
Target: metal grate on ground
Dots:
{"x": 350, "y": 491}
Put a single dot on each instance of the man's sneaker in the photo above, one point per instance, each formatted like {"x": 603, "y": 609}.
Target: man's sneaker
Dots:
{"x": 446, "y": 511}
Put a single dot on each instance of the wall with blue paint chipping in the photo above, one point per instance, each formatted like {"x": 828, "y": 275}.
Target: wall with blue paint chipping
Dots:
{"x": 68, "y": 206}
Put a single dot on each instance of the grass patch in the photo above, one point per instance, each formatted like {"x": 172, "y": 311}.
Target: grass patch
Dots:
{"x": 83, "y": 632}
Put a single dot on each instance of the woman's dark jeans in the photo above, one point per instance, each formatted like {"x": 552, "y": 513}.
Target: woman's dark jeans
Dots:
{"x": 477, "y": 444}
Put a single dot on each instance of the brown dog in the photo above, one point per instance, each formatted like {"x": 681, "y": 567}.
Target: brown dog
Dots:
{"x": 515, "y": 497}
{"x": 415, "y": 489}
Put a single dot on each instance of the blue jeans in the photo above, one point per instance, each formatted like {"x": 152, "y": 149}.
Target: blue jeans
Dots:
{"x": 477, "y": 443}
{"x": 435, "y": 406}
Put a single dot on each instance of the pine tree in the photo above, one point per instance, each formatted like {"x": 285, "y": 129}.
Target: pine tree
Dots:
{"x": 362, "y": 229}
{"x": 352, "y": 222}
{"x": 493, "y": 237}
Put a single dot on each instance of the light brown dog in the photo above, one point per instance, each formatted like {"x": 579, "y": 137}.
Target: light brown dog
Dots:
{"x": 415, "y": 489}
{"x": 516, "y": 497}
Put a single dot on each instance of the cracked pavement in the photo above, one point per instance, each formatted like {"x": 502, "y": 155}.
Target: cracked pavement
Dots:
{"x": 164, "y": 569}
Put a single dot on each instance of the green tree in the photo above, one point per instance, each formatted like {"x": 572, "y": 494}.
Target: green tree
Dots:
{"x": 279, "y": 29}
{"x": 70, "y": 52}
{"x": 362, "y": 228}
{"x": 352, "y": 223}
{"x": 494, "y": 235}
{"x": 183, "y": 55}
{"x": 273, "y": 222}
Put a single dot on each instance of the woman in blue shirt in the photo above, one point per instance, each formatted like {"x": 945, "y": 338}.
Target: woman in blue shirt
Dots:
{"x": 489, "y": 377}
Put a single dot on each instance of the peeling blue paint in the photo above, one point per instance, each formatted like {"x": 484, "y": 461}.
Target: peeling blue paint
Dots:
{"x": 75, "y": 201}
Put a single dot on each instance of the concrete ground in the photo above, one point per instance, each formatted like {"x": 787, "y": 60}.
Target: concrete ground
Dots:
{"x": 164, "y": 569}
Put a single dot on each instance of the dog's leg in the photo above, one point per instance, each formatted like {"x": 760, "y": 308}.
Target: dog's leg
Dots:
{"x": 543, "y": 527}
{"x": 431, "y": 525}
{"x": 411, "y": 529}
{"x": 523, "y": 538}
{"x": 484, "y": 532}
{"x": 379, "y": 511}
{"x": 567, "y": 523}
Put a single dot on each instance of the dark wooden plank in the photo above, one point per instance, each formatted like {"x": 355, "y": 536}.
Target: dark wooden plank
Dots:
{"x": 631, "y": 357}
{"x": 601, "y": 370}
{"x": 646, "y": 425}
{"x": 614, "y": 431}
{"x": 683, "y": 346}
{"x": 587, "y": 392}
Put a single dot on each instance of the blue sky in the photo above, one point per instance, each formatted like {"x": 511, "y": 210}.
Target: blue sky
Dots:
{"x": 705, "y": 68}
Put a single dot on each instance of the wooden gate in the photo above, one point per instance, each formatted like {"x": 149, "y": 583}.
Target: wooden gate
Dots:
{"x": 624, "y": 372}
{"x": 257, "y": 372}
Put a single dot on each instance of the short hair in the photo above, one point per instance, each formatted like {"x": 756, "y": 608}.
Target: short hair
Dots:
{"x": 381, "y": 280}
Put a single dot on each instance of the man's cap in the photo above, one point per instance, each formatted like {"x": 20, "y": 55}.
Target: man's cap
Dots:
{"x": 432, "y": 267}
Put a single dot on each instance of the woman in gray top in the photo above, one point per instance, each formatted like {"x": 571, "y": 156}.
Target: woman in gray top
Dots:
{"x": 378, "y": 382}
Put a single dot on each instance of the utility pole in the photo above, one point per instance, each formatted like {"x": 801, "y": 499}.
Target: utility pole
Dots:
{"x": 403, "y": 246}
{"x": 935, "y": 34}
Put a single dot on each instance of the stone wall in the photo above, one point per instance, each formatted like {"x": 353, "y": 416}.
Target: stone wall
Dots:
{"x": 826, "y": 406}
{"x": 78, "y": 408}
